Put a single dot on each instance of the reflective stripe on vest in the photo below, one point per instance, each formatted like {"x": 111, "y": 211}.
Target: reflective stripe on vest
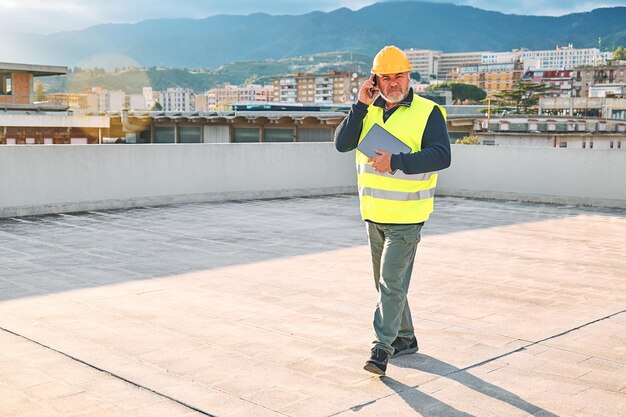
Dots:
{"x": 396, "y": 195}
{"x": 369, "y": 169}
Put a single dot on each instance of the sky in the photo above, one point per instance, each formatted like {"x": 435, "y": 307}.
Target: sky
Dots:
{"x": 49, "y": 16}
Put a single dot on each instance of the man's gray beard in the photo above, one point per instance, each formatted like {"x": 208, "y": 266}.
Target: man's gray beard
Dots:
{"x": 394, "y": 101}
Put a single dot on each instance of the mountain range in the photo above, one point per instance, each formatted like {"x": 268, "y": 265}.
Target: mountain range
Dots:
{"x": 216, "y": 40}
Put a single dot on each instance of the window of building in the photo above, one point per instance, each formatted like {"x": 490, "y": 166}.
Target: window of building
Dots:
{"x": 246, "y": 134}
{"x": 619, "y": 145}
{"x": 562, "y": 144}
{"x": 584, "y": 145}
{"x": 590, "y": 144}
{"x": 611, "y": 144}
{"x": 164, "y": 134}
{"x": 189, "y": 134}
{"x": 6, "y": 86}
{"x": 618, "y": 114}
{"x": 278, "y": 135}
{"x": 314, "y": 135}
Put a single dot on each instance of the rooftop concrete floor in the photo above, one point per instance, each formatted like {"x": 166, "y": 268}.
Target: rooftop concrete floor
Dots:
{"x": 264, "y": 308}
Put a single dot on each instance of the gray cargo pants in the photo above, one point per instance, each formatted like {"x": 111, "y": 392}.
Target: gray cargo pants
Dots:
{"x": 393, "y": 249}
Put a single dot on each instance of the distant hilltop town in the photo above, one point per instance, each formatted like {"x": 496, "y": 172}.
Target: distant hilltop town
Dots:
{"x": 565, "y": 70}
{"x": 534, "y": 94}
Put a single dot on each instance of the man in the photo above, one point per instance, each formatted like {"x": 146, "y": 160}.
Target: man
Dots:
{"x": 395, "y": 205}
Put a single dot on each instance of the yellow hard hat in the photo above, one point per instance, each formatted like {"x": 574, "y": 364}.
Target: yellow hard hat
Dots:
{"x": 391, "y": 60}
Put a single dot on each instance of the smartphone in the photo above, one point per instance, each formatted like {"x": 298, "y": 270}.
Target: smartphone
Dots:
{"x": 373, "y": 90}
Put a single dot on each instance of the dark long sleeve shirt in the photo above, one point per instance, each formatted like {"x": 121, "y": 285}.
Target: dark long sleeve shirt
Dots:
{"x": 435, "y": 152}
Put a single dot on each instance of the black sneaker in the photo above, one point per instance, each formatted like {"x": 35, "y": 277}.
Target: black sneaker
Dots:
{"x": 404, "y": 346}
{"x": 377, "y": 363}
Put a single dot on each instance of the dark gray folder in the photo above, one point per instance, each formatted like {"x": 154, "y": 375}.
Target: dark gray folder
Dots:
{"x": 379, "y": 138}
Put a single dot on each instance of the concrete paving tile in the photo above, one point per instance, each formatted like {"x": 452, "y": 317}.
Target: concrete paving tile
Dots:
{"x": 253, "y": 411}
{"x": 276, "y": 398}
{"x": 55, "y": 389}
{"x": 163, "y": 408}
{"x": 605, "y": 380}
{"x": 13, "y": 402}
{"x": 79, "y": 403}
{"x": 39, "y": 411}
{"x": 240, "y": 310}
{"x": 602, "y": 402}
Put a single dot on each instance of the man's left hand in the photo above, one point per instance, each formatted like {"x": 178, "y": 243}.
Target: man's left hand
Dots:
{"x": 381, "y": 163}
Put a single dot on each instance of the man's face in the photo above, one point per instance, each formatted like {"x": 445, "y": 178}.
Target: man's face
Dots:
{"x": 394, "y": 87}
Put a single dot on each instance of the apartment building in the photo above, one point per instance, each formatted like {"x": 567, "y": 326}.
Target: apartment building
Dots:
{"x": 562, "y": 57}
{"x": 614, "y": 72}
{"x": 98, "y": 100}
{"x": 333, "y": 87}
{"x": 450, "y": 62}
{"x": 559, "y": 83}
{"x": 436, "y": 64}
{"x": 425, "y": 61}
{"x": 501, "y": 57}
{"x": 566, "y": 57}
{"x": 176, "y": 99}
{"x": 221, "y": 99}
{"x": 491, "y": 77}
{"x": 87, "y": 102}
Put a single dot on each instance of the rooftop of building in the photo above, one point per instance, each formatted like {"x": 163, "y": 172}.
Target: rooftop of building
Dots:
{"x": 36, "y": 70}
{"x": 263, "y": 308}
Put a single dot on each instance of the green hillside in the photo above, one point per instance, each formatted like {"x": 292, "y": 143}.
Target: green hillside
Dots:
{"x": 132, "y": 80}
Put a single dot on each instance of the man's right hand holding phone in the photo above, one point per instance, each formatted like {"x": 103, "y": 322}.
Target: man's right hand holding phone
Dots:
{"x": 369, "y": 91}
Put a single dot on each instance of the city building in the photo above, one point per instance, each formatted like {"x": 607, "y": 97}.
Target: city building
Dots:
{"x": 559, "y": 83}
{"x": 490, "y": 77}
{"x": 601, "y": 107}
{"x": 74, "y": 101}
{"x": 148, "y": 97}
{"x": 98, "y": 100}
{"x": 425, "y": 61}
{"x": 176, "y": 99}
{"x": 552, "y": 131}
{"x": 221, "y": 99}
{"x": 333, "y": 87}
{"x": 24, "y": 122}
{"x": 452, "y": 61}
{"x": 16, "y": 83}
{"x": 608, "y": 90}
{"x": 567, "y": 57}
{"x": 501, "y": 57}
{"x": 232, "y": 127}
{"x": 614, "y": 72}
{"x": 562, "y": 57}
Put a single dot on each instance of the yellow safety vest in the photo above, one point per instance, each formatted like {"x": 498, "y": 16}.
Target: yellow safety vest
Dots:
{"x": 400, "y": 198}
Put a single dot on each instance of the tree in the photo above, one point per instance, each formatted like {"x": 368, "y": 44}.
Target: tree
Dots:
{"x": 468, "y": 140}
{"x": 619, "y": 54}
{"x": 40, "y": 94}
{"x": 461, "y": 93}
{"x": 156, "y": 106}
{"x": 415, "y": 75}
{"x": 523, "y": 97}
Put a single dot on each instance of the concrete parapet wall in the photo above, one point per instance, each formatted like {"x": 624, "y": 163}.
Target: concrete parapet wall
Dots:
{"x": 65, "y": 178}
{"x": 587, "y": 177}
